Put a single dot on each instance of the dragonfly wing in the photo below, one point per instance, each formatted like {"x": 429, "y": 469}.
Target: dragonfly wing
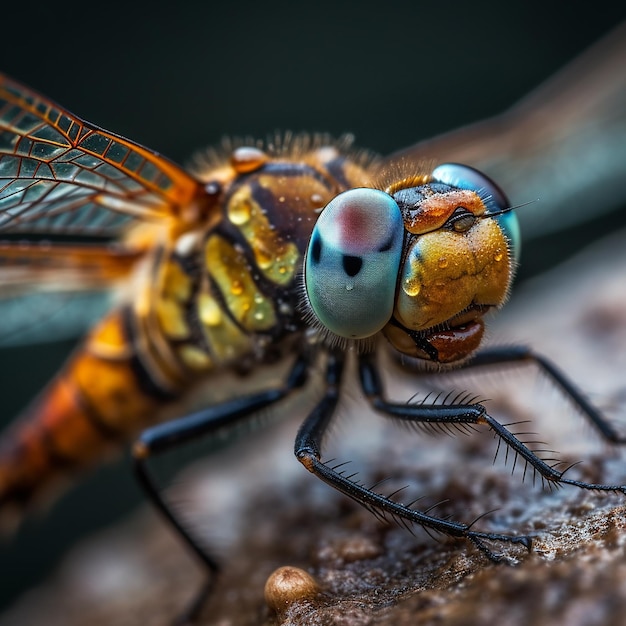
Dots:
{"x": 41, "y": 317}
{"x": 50, "y": 292}
{"x": 69, "y": 191}
{"x": 59, "y": 174}
{"x": 564, "y": 144}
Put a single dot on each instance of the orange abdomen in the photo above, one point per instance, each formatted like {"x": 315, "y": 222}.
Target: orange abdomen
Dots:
{"x": 102, "y": 397}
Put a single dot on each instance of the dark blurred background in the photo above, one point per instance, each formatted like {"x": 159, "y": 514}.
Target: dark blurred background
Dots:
{"x": 179, "y": 77}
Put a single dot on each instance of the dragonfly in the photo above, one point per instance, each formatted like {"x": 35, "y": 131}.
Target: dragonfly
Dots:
{"x": 299, "y": 249}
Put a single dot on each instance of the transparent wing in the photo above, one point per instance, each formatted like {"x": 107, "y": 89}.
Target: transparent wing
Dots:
{"x": 66, "y": 188}
{"x": 61, "y": 175}
{"x": 564, "y": 144}
{"x": 41, "y": 317}
{"x": 56, "y": 291}
{"x": 74, "y": 267}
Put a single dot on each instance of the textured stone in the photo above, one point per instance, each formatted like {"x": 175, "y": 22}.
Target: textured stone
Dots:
{"x": 263, "y": 511}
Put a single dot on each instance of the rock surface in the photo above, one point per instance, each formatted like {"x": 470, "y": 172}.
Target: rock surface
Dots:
{"x": 262, "y": 511}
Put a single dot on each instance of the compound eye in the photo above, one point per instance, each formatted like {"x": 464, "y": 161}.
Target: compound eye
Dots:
{"x": 352, "y": 262}
{"x": 466, "y": 177}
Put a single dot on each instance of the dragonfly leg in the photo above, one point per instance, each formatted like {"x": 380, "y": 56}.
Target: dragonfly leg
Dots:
{"x": 513, "y": 354}
{"x": 463, "y": 414}
{"x": 175, "y": 433}
{"x": 308, "y": 450}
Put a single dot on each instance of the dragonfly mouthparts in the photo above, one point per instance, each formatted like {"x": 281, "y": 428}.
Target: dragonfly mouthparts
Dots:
{"x": 468, "y": 315}
{"x": 448, "y": 343}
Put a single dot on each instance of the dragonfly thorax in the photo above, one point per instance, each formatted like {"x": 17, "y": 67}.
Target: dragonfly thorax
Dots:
{"x": 231, "y": 291}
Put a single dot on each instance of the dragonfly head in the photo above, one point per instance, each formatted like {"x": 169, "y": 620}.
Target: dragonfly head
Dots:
{"x": 421, "y": 261}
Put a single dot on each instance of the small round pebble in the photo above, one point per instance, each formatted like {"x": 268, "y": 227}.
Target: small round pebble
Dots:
{"x": 287, "y": 585}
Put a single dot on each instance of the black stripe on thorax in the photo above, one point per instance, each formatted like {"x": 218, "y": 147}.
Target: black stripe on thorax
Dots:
{"x": 147, "y": 385}
{"x": 336, "y": 168}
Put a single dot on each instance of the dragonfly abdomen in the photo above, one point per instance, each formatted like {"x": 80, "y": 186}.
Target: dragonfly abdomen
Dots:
{"x": 103, "y": 395}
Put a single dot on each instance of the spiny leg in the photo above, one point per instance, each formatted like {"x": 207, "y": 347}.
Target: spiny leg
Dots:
{"x": 462, "y": 414}
{"x": 172, "y": 434}
{"x": 308, "y": 448}
{"x": 521, "y": 354}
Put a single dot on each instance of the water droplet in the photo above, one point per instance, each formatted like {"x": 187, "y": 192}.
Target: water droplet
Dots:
{"x": 259, "y": 315}
{"x": 443, "y": 263}
{"x": 209, "y": 311}
{"x": 264, "y": 260}
{"x": 411, "y": 286}
{"x": 349, "y": 286}
{"x": 498, "y": 256}
{"x": 236, "y": 288}
{"x": 239, "y": 212}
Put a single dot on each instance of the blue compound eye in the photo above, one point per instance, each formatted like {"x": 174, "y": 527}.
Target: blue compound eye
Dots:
{"x": 466, "y": 177}
{"x": 352, "y": 262}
